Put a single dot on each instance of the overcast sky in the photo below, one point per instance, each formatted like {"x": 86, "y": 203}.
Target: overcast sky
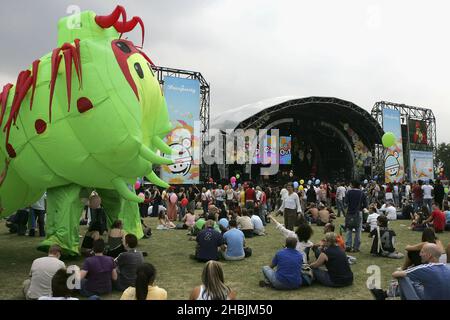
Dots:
{"x": 361, "y": 51}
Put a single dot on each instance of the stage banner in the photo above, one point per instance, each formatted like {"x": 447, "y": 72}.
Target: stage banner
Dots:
{"x": 285, "y": 150}
{"x": 394, "y": 169}
{"x": 183, "y": 103}
{"x": 421, "y": 165}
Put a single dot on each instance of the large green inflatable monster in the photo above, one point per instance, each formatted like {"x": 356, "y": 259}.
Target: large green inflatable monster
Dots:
{"x": 93, "y": 121}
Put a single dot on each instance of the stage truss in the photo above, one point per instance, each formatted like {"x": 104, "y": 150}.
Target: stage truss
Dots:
{"x": 406, "y": 113}
{"x": 161, "y": 72}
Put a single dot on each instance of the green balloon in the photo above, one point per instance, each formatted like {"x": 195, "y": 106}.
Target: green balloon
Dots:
{"x": 238, "y": 176}
{"x": 446, "y": 190}
{"x": 388, "y": 139}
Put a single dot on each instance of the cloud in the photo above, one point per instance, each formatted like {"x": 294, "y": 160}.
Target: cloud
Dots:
{"x": 358, "y": 50}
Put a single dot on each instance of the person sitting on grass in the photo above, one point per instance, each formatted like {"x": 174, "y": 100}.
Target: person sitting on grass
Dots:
{"x": 98, "y": 272}
{"x": 234, "y": 243}
{"x": 288, "y": 262}
{"x": 224, "y": 225}
{"x": 428, "y": 281}
{"x": 447, "y": 215}
{"x": 209, "y": 241}
{"x": 383, "y": 243}
{"x": 412, "y": 257}
{"x": 338, "y": 272}
{"x": 303, "y": 233}
{"x": 116, "y": 238}
{"x": 245, "y": 223}
{"x": 213, "y": 284}
{"x": 127, "y": 263}
{"x": 312, "y": 213}
{"x": 189, "y": 220}
{"x": 258, "y": 226}
{"x": 318, "y": 247}
{"x": 324, "y": 215}
{"x": 436, "y": 219}
{"x": 60, "y": 290}
{"x": 41, "y": 274}
{"x": 372, "y": 222}
{"x": 164, "y": 222}
{"x": 144, "y": 288}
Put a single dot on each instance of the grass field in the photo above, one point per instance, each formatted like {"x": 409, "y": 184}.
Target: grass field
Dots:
{"x": 169, "y": 252}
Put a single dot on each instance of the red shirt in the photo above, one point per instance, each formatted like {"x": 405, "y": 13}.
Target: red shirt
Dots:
{"x": 438, "y": 220}
{"x": 250, "y": 194}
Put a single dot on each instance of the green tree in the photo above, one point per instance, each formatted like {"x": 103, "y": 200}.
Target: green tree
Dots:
{"x": 443, "y": 156}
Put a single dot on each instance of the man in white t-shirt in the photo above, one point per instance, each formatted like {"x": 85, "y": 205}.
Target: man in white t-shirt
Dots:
{"x": 42, "y": 271}
{"x": 372, "y": 219}
{"x": 258, "y": 226}
{"x": 427, "y": 195}
{"x": 407, "y": 191}
{"x": 390, "y": 211}
{"x": 340, "y": 194}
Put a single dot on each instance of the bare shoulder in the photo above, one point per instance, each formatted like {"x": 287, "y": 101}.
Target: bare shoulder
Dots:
{"x": 194, "y": 293}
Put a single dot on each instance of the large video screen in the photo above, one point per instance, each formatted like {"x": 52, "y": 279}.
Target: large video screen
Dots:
{"x": 417, "y": 132}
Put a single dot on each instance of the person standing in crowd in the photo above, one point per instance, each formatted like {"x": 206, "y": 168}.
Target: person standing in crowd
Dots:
{"x": 204, "y": 200}
{"x": 37, "y": 211}
{"x": 144, "y": 288}
{"x": 417, "y": 194}
{"x": 356, "y": 201}
{"x": 22, "y": 220}
{"x": 250, "y": 197}
{"x": 338, "y": 273}
{"x": 396, "y": 195}
{"x": 98, "y": 215}
{"x": 193, "y": 194}
{"x": 407, "y": 190}
{"x": 98, "y": 272}
{"x": 157, "y": 201}
{"x": 172, "y": 205}
{"x": 291, "y": 208}
{"x": 213, "y": 284}
{"x": 428, "y": 195}
{"x": 229, "y": 194}
{"x": 262, "y": 204}
{"x": 41, "y": 274}
{"x": 340, "y": 194}
{"x": 439, "y": 193}
{"x": 289, "y": 263}
{"x": 219, "y": 195}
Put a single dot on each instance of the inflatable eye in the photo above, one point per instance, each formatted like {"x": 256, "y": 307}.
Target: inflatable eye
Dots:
{"x": 187, "y": 143}
{"x": 123, "y": 47}
{"x": 139, "y": 70}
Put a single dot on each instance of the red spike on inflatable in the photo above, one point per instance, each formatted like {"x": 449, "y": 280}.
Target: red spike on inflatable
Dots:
{"x": 35, "y": 69}
{"x": 68, "y": 63}
{"x": 77, "y": 61}
{"x": 4, "y": 99}
{"x": 130, "y": 25}
{"x": 23, "y": 84}
{"x": 56, "y": 59}
{"x": 109, "y": 20}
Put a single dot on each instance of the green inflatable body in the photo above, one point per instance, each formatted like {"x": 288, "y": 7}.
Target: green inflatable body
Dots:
{"x": 88, "y": 115}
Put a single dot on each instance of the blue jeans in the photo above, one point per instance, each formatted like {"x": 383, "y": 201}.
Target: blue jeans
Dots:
{"x": 181, "y": 213}
{"x": 323, "y": 277}
{"x": 349, "y": 235}
{"x": 40, "y": 216}
{"x": 417, "y": 205}
{"x": 410, "y": 290}
{"x": 269, "y": 275}
{"x": 340, "y": 207}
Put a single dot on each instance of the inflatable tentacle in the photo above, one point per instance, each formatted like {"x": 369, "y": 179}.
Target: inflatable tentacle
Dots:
{"x": 161, "y": 145}
{"x": 151, "y": 156}
{"x": 121, "y": 187}
{"x": 153, "y": 178}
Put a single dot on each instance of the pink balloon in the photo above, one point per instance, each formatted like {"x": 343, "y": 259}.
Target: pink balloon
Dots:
{"x": 173, "y": 198}
{"x": 233, "y": 179}
{"x": 141, "y": 195}
{"x": 137, "y": 185}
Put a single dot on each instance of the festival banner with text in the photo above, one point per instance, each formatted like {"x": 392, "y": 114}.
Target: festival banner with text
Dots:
{"x": 183, "y": 103}
{"x": 394, "y": 169}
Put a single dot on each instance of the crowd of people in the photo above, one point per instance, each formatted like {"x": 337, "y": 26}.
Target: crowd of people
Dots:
{"x": 220, "y": 219}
